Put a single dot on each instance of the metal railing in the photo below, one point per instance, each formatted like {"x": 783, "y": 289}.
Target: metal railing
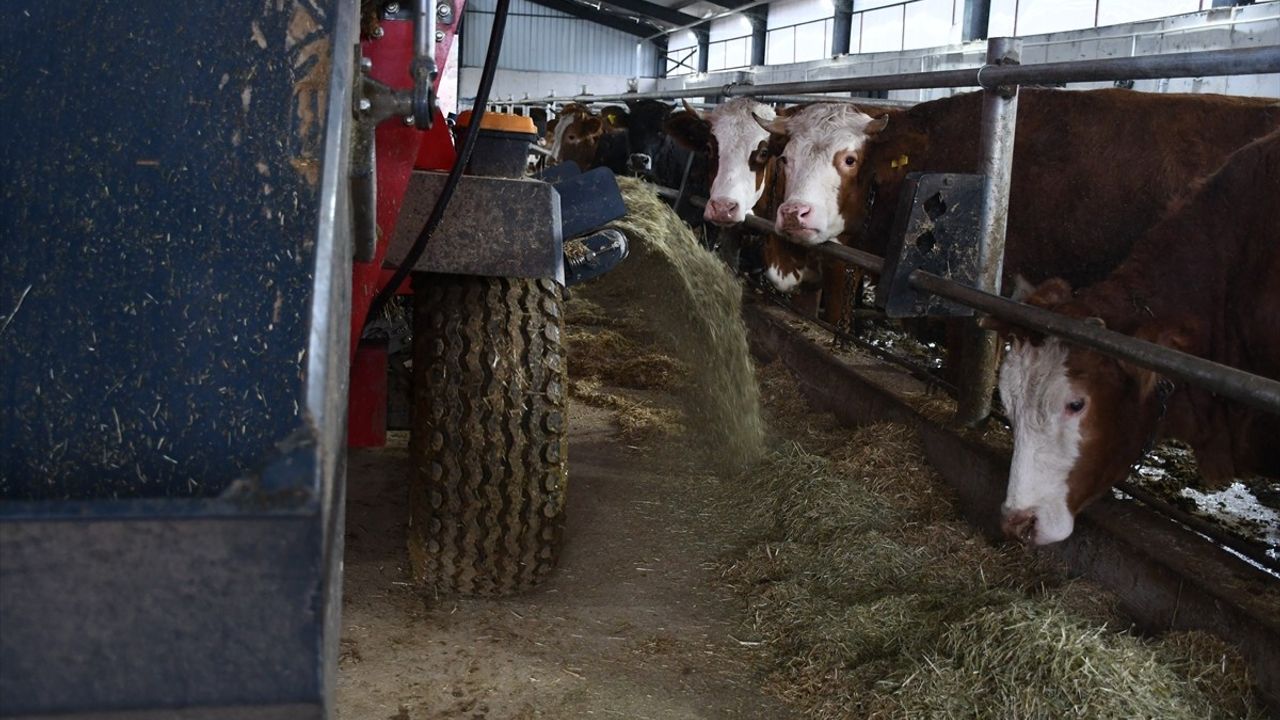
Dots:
{"x": 999, "y": 79}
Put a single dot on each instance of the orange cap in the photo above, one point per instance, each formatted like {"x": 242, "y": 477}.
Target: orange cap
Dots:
{"x": 501, "y": 121}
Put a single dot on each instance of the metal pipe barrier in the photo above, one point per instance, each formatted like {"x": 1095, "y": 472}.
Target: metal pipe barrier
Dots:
{"x": 999, "y": 78}
{"x": 1237, "y": 61}
{"x": 1256, "y": 391}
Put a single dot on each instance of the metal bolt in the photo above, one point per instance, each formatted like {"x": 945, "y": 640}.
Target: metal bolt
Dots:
{"x": 378, "y": 31}
{"x": 443, "y": 9}
{"x": 366, "y": 63}
{"x": 408, "y": 120}
{"x": 364, "y": 104}
{"x": 439, "y": 35}
{"x": 391, "y": 8}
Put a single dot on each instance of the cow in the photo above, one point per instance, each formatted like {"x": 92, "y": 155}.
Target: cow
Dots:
{"x": 745, "y": 177}
{"x": 1204, "y": 280}
{"x": 1092, "y": 169}
{"x": 737, "y": 150}
{"x": 592, "y": 140}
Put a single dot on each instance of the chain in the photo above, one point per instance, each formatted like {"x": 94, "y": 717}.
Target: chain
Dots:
{"x": 1164, "y": 389}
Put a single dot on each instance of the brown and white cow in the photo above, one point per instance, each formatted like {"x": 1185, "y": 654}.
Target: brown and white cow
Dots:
{"x": 746, "y": 177}
{"x": 1092, "y": 170}
{"x": 824, "y": 147}
{"x": 738, "y": 153}
{"x": 1205, "y": 280}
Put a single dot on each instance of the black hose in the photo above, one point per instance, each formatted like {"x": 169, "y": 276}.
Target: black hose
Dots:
{"x": 455, "y": 173}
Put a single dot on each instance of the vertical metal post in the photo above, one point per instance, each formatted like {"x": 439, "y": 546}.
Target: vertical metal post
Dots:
{"x": 999, "y": 118}
{"x": 841, "y": 27}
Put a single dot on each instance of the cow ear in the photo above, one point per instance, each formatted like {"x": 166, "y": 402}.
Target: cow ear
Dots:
{"x": 593, "y": 126}
{"x": 1022, "y": 288}
{"x": 1050, "y": 293}
{"x": 1171, "y": 334}
{"x": 688, "y": 129}
{"x": 776, "y": 126}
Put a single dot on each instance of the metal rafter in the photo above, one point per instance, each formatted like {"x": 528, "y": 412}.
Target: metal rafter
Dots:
{"x": 663, "y": 15}
{"x": 639, "y": 28}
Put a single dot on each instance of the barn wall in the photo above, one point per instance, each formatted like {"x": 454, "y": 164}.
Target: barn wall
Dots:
{"x": 1219, "y": 28}
{"x": 541, "y": 39}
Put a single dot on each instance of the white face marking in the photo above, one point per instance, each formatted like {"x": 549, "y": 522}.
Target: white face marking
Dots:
{"x": 737, "y": 135}
{"x": 1046, "y": 437}
{"x": 788, "y": 281}
{"x": 815, "y": 135}
{"x": 557, "y": 138}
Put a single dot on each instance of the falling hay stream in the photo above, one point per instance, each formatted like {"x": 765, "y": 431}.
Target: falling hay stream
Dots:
{"x": 697, "y": 303}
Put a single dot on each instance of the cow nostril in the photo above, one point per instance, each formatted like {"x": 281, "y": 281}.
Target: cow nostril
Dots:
{"x": 1020, "y": 526}
{"x": 1028, "y": 531}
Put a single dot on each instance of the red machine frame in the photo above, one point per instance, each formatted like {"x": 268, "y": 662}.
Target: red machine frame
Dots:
{"x": 399, "y": 150}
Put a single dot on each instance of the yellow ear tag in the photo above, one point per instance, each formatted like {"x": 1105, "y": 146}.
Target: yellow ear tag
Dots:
{"x": 900, "y": 162}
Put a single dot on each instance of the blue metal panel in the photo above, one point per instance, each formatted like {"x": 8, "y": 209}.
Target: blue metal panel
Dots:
{"x": 174, "y": 310}
{"x": 158, "y": 218}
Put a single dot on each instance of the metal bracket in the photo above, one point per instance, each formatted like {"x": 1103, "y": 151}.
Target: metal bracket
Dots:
{"x": 495, "y": 227}
{"x": 936, "y": 229}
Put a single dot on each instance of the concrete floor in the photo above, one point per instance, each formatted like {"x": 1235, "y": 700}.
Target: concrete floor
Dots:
{"x": 633, "y": 625}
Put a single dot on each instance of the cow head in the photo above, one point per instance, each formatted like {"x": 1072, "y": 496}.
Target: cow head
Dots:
{"x": 738, "y": 150}
{"x": 1080, "y": 419}
{"x": 577, "y": 138}
{"x": 824, "y": 148}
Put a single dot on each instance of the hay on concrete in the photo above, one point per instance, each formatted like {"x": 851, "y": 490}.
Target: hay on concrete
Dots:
{"x": 608, "y": 356}
{"x": 874, "y": 599}
{"x": 696, "y": 302}
{"x": 637, "y": 420}
{"x": 1031, "y": 660}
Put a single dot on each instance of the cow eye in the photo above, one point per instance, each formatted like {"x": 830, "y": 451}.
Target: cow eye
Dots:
{"x": 1075, "y": 406}
{"x": 848, "y": 161}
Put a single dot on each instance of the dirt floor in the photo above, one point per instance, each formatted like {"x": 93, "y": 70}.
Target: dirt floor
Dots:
{"x": 634, "y": 624}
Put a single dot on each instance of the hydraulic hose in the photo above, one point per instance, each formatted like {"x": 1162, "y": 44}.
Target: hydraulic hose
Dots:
{"x": 455, "y": 173}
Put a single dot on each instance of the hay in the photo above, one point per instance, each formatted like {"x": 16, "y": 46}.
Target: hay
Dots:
{"x": 609, "y": 357}
{"x": 694, "y": 300}
{"x": 637, "y": 420}
{"x": 1031, "y": 660}
{"x": 874, "y": 599}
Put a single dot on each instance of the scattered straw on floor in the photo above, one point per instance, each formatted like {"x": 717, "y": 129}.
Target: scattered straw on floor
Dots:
{"x": 637, "y": 420}
{"x": 873, "y": 599}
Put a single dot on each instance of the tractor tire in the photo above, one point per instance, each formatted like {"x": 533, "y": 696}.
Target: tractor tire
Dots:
{"x": 488, "y": 442}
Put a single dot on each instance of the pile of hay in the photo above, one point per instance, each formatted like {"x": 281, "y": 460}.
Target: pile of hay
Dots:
{"x": 874, "y": 599}
{"x": 694, "y": 303}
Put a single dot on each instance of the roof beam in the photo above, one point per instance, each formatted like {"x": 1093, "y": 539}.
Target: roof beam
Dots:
{"x": 639, "y": 28}
{"x": 644, "y": 8}
{"x": 726, "y": 4}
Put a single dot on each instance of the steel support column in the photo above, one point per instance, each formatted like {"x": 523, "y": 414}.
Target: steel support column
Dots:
{"x": 703, "y": 33}
{"x": 842, "y": 28}
{"x": 977, "y": 17}
{"x": 759, "y": 17}
{"x": 999, "y": 120}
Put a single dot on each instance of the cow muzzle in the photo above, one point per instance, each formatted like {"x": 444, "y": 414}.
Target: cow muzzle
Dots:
{"x": 722, "y": 211}
{"x": 1020, "y": 525}
{"x": 795, "y": 221}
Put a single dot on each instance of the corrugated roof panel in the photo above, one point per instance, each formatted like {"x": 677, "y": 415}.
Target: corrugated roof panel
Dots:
{"x": 545, "y": 40}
